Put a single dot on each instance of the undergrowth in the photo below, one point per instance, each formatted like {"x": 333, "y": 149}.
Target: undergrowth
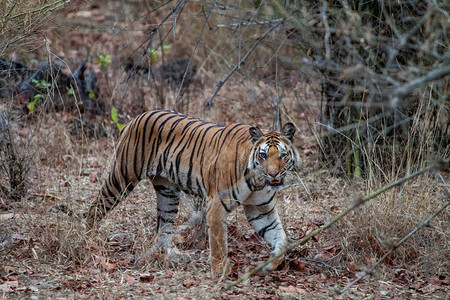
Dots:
{"x": 46, "y": 222}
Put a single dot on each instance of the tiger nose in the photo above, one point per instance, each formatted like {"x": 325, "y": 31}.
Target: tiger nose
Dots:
{"x": 273, "y": 174}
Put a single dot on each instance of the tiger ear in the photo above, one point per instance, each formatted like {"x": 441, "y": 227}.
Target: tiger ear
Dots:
{"x": 255, "y": 133}
{"x": 289, "y": 131}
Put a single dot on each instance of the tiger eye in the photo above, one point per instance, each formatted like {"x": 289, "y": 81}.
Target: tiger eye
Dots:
{"x": 262, "y": 155}
{"x": 283, "y": 155}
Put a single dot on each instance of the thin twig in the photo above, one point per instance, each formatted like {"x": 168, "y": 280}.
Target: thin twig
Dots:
{"x": 421, "y": 81}
{"x": 327, "y": 31}
{"x": 404, "y": 38}
{"x": 367, "y": 122}
{"x": 177, "y": 98}
{"x": 248, "y": 23}
{"x": 417, "y": 228}
{"x": 355, "y": 204}
{"x": 149, "y": 43}
{"x": 238, "y": 65}
{"x": 48, "y": 7}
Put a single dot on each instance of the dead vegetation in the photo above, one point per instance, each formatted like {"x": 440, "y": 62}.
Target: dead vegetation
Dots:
{"x": 44, "y": 248}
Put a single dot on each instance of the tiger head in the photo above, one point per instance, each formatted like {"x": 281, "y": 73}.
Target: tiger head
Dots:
{"x": 273, "y": 154}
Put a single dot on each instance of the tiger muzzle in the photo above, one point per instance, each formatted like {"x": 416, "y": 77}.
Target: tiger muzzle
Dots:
{"x": 274, "y": 179}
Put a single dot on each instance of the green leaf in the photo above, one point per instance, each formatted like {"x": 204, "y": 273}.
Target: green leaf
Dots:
{"x": 153, "y": 55}
{"x": 167, "y": 48}
{"x": 104, "y": 60}
{"x": 120, "y": 126}
{"x": 70, "y": 91}
{"x": 114, "y": 116}
{"x": 30, "y": 106}
{"x": 91, "y": 95}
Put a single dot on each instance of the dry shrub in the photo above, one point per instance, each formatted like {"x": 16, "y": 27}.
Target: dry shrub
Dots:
{"x": 56, "y": 235}
{"x": 372, "y": 230}
{"x": 14, "y": 163}
{"x": 20, "y": 20}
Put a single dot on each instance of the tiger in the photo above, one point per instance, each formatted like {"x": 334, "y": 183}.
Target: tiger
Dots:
{"x": 227, "y": 166}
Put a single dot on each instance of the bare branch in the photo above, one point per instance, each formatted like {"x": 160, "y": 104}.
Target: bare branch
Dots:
{"x": 177, "y": 98}
{"x": 327, "y": 31}
{"x": 249, "y": 23}
{"x": 421, "y": 81}
{"x": 238, "y": 65}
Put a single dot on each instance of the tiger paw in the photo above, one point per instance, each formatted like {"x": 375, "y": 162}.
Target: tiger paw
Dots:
{"x": 273, "y": 265}
{"x": 176, "y": 256}
{"x": 222, "y": 268}
{"x": 172, "y": 255}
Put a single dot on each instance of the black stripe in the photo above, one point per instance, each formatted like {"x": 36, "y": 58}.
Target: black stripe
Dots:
{"x": 248, "y": 179}
{"x": 260, "y": 216}
{"x": 215, "y": 148}
{"x": 268, "y": 202}
{"x": 115, "y": 182}
{"x": 170, "y": 195}
{"x": 224, "y": 206}
{"x": 161, "y": 129}
{"x": 130, "y": 186}
{"x": 263, "y": 230}
{"x": 228, "y": 133}
{"x": 144, "y": 144}
{"x": 123, "y": 160}
{"x": 166, "y": 192}
{"x": 173, "y": 211}
{"x": 152, "y": 130}
{"x": 203, "y": 137}
{"x": 137, "y": 138}
{"x": 111, "y": 203}
{"x": 191, "y": 163}
{"x": 106, "y": 192}
{"x": 199, "y": 188}
{"x": 160, "y": 188}
{"x": 188, "y": 124}
{"x": 233, "y": 193}
{"x": 236, "y": 168}
{"x": 169, "y": 146}
{"x": 165, "y": 220}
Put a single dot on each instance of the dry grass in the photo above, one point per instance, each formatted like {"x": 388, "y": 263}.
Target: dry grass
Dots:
{"x": 63, "y": 167}
{"x": 47, "y": 236}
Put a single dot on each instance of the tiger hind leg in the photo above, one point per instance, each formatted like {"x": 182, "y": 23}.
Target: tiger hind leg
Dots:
{"x": 111, "y": 194}
{"x": 167, "y": 201}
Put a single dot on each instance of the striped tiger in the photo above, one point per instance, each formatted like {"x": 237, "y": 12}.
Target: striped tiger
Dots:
{"x": 228, "y": 166}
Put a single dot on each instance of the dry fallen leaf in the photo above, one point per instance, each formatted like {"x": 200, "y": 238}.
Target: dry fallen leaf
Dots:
{"x": 188, "y": 283}
{"x": 9, "y": 286}
{"x": 8, "y": 216}
{"x": 292, "y": 289}
{"x": 298, "y": 266}
{"x": 351, "y": 266}
{"x": 130, "y": 279}
{"x": 110, "y": 266}
{"x": 93, "y": 177}
{"x": 146, "y": 277}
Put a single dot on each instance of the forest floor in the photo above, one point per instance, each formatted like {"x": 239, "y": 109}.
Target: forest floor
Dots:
{"x": 46, "y": 253}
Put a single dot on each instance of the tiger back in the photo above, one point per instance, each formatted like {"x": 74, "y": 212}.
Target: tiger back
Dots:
{"x": 228, "y": 166}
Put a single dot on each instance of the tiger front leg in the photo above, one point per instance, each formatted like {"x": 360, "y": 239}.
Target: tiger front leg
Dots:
{"x": 265, "y": 220}
{"x": 218, "y": 243}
